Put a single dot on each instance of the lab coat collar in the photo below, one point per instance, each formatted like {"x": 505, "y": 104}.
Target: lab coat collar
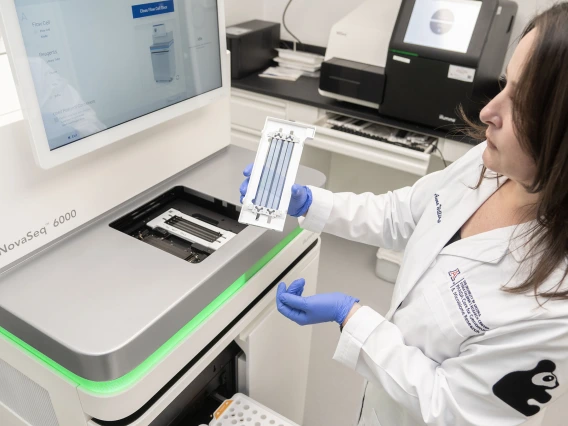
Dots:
{"x": 431, "y": 241}
{"x": 487, "y": 247}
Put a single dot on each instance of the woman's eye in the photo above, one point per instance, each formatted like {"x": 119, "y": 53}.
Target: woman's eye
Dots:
{"x": 502, "y": 82}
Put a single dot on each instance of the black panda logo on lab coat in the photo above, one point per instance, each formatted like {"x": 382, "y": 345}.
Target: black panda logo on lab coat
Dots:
{"x": 518, "y": 387}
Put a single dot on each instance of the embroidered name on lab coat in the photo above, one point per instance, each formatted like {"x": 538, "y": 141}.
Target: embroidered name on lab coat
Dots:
{"x": 467, "y": 305}
{"x": 438, "y": 208}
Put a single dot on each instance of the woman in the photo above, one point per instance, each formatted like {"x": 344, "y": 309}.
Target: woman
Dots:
{"x": 477, "y": 333}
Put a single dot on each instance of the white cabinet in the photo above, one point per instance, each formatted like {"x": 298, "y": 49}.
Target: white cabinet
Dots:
{"x": 277, "y": 351}
{"x": 249, "y": 111}
{"x": 369, "y": 150}
{"x": 245, "y": 137}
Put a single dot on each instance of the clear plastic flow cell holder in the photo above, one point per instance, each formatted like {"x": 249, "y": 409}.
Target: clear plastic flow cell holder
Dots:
{"x": 274, "y": 172}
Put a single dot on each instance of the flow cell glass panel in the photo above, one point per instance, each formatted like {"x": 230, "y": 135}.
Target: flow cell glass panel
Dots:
{"x": 443, "y": 24}
{"x": 98, "y": 64}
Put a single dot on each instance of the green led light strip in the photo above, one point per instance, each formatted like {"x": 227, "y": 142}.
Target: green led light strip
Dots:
{"x": 144, "y": 368}
{"x": 402, "y": 52}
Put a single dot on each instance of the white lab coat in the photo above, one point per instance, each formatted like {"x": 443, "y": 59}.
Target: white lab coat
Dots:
{"x": 454, "y": 349}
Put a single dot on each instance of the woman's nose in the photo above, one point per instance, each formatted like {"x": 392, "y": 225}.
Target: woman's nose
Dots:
{"x": 490, "y": 114}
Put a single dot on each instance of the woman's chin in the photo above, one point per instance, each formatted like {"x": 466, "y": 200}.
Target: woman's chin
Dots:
{"x": 489, "y": 159}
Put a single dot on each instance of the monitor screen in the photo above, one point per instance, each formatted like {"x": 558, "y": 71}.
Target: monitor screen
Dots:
{"x": 98, "y": 64}
{"x": 443, "y": 24}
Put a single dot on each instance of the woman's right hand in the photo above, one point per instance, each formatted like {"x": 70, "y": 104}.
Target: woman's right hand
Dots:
{"x": 300, "y": 201}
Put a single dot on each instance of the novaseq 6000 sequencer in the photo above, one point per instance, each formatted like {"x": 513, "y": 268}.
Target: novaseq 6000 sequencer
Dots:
{"x": 142, "y": 301}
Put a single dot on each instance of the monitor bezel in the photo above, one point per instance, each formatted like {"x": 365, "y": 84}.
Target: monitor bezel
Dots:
{"x": 470, "y": 58}
{"x": 47, "y": 158}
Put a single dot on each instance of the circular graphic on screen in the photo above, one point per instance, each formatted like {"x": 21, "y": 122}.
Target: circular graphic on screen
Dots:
{"x": 442, "y": 21}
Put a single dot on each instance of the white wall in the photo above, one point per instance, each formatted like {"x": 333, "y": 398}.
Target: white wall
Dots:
{"x": 237, "y": 11}
{"x": 527, "y": 10}
{"x": 311, "y": 20}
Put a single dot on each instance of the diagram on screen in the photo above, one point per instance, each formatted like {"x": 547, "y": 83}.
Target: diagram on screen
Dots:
{"x": 442, "y": 21}
{"x": 163, "y": 54}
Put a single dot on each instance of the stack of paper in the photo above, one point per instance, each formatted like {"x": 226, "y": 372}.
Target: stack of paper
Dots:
{"x": 292, "y": 64}
{"x": 281, "y": 73}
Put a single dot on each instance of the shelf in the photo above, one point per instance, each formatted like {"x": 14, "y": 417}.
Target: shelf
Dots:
{"x": 305, "y": 91}
{"x": 370, "y": 150}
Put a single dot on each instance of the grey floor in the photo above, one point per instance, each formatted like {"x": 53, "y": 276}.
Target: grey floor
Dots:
{"x": 334, "y": 391}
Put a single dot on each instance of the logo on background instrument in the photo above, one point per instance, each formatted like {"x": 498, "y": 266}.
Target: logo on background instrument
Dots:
{"x": 438, "y": 208}
{"x": 453, "y": 274}
{"x": 445, "y": 118}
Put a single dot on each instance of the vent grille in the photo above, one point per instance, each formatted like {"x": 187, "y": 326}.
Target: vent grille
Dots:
{"x": 25, "y": 397}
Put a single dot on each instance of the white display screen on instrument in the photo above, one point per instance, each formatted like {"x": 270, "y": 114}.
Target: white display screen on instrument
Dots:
{"x": 443, "y": 24}
{"x": 98, "y": 64}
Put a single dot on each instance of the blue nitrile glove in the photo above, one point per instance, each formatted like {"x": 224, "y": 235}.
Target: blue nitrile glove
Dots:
{"x": 300, "y": 201}
{"x": 313, "y": 309}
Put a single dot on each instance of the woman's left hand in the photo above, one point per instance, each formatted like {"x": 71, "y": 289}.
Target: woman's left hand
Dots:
{"x": 313, "y": 309}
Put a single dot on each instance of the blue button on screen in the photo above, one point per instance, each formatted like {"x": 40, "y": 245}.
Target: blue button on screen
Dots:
{"x": 150, "y": 9}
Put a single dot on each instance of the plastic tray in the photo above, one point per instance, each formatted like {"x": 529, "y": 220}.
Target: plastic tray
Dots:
{"x": 241, "y": 410}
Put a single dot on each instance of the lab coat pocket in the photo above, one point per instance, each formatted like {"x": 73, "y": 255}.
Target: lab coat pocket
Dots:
{"x": 461, "y": 302}
{"x": 438, "y": 308}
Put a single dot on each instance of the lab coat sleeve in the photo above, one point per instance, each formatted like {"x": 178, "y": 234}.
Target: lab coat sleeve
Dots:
{"x": 386, "y": 220}
{"x": 460, "y": 390}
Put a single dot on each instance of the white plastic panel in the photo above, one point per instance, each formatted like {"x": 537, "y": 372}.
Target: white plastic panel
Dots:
{"x": 9, "y": 418}
{"x": 275, "y": 168}
{"x": 34, "y": 392}
{"x": 278, "y": 354}
{"x": 25, "y": 397}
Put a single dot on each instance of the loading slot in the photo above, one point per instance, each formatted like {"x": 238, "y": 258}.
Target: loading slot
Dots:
{"x": 208, "y": 221}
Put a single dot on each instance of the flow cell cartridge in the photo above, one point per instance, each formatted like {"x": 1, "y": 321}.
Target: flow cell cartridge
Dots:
{"x": 276, "y": 165}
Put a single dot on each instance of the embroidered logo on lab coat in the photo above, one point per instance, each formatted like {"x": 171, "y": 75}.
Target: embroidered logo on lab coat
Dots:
{"x": 467, "y": 305}
{"x": 438, "y": 207}
{"x": 516, "y": 389}
{"x": 453, "y": 274}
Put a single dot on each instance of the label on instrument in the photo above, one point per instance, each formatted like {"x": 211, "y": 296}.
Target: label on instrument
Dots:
{"x": 401, "y": 59}
{"x": 222, "y": 408}
{"x": 461, "y": 73}
{"x": 237, "y": 30}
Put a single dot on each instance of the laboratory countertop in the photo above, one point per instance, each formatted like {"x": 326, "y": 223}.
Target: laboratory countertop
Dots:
{"x": 305, "y": 91}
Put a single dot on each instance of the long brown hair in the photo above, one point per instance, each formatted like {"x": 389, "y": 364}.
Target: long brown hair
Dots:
{"x": 540, "y": 119}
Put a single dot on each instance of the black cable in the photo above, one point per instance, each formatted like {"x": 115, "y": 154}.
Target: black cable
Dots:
{"x": 284, "y": 22}
{"x": 441, "y": 155}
